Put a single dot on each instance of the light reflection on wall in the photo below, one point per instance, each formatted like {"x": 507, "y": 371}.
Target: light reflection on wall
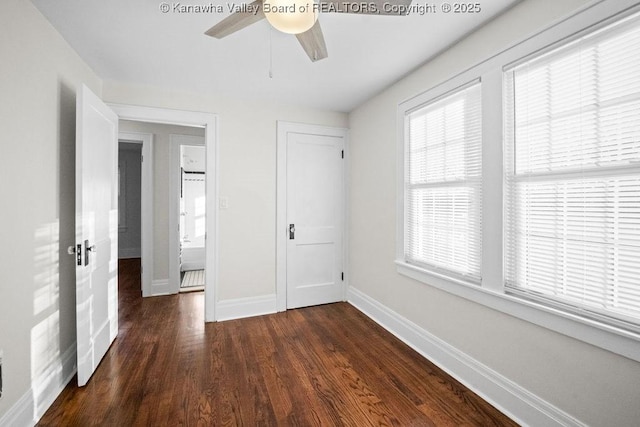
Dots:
{"x": 46, "y": 369}
{"x": 46, "y": 266}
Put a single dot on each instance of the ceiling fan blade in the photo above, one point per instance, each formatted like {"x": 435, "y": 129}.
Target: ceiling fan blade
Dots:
{"x": 237, "y": 21}
{"x": 373, "y": 7}
{"x": 312, "y": 42}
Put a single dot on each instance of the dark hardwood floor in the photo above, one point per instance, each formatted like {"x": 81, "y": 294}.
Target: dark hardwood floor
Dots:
{"x": 327, "y": 365}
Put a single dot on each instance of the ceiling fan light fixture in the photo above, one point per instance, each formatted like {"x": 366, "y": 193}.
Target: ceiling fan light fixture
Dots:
{"x": 291, "y": 16}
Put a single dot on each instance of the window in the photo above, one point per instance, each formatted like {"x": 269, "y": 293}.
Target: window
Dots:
{"x": 530, "y": 203}
{"x": 572, "y": 129}
{"x": 442, "y": 184}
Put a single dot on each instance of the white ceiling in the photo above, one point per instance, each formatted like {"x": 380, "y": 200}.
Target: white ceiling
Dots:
{"x": 132, "y": 41}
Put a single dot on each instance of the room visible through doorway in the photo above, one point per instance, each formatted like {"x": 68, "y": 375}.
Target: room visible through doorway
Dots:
{"x": 192, "y": 205}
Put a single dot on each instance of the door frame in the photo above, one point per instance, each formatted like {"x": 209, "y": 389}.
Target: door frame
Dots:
{"x": 209, "y": 122}
{"x": 146, "y": 205}
{"x": 284, "y": 128}
{"x": 175, "y": 142}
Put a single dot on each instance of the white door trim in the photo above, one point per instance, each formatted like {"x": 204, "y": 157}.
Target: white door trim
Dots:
{"x": 209, "y": 122}
{"x": 283, "y": 128}
{"x": 146, "y": 205}
{"x": 175, "y": 141}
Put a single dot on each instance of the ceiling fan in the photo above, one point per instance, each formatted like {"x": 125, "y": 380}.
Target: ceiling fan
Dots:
{"x": 300, "y": 17}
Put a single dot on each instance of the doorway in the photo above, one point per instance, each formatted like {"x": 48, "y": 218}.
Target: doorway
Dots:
{"x": 129, "y": 199}
{"x": 135, "y": 213}
{"x": 188, "y": 192}
{"x": 207, "y": 122}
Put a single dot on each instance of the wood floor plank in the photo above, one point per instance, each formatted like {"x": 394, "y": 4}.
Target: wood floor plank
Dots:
{"x": 319, "y": 366}
{"x": 427, "y": 389}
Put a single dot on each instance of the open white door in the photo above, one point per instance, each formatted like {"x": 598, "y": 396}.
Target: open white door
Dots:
{"x": 96, "y": 247}
{"x": 315, "y": 213}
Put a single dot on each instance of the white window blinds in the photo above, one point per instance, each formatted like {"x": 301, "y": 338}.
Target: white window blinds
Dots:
{"x": 443, "y": 169}
{"x": 572, "y": 129}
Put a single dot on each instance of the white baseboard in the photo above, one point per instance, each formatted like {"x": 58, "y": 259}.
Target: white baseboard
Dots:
{"x": 245, "y": 307}
{"x": 160, "y": 287}
{"x": 21, "y": 413}
{"x": 512, "y": 399}
{"x": 126, "y": 253}
{"x": 43, "y": 392}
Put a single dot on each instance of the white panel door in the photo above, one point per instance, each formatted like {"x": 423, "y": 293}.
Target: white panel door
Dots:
{"x": 315, "y": 211}
{"x": 96, "y": 231}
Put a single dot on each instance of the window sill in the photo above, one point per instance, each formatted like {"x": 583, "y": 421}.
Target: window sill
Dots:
{"x": 616, "y": 340}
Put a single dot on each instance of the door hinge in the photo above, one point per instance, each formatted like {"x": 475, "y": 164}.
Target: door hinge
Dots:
{"x": 342, "y": 276}
{"x": 343, "y": 154}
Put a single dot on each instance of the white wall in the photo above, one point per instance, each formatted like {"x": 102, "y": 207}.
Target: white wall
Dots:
{"x": 38, "y": 79}
{"x": 161, "y": 151}
{"x": 247, "y": 177}
{"x": 129, "y": 232}
{"x": 593, "y": 385}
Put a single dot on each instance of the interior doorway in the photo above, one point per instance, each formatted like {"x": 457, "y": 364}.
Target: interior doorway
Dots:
{"x": 208, "y": 123}
{"x": 135, "y": 204}
{"x": 129, "y": 199}
{"x": 166, "y": 164}
{"x": 191, "y": 205}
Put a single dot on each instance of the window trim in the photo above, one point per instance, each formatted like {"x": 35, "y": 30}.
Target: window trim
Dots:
{"x": 491, "y": 292}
